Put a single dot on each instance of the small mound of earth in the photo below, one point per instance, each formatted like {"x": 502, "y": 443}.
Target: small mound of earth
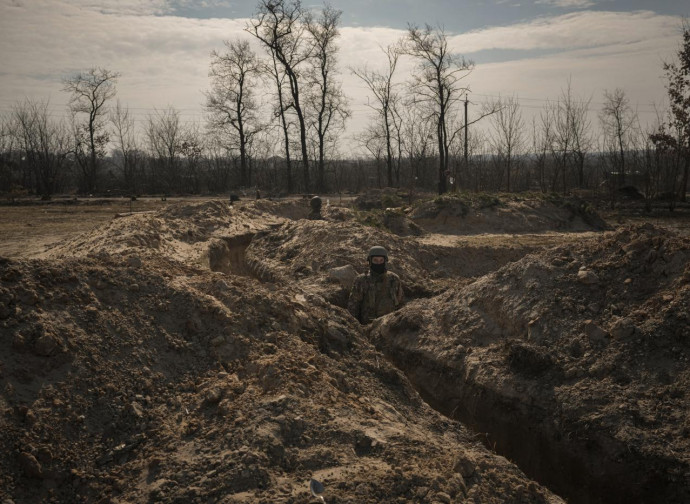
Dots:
{"x": 126, "y": 381}
{"x": 174, "y": 232}
{"x": 380, "y": 199}
{"x": 575, "y": 361}
{"x": 469, "y": 214}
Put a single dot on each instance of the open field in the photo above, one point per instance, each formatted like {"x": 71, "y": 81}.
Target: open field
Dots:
{"x": 29, "y": 229}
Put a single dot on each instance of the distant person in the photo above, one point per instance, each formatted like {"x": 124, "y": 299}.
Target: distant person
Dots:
{"x": 376, "y": 292}
{"x": 315, "y": 204}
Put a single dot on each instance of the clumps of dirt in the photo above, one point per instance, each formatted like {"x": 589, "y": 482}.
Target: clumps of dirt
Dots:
{"x": 324, "y": 257}
{"x": 128, "y": 378}
{"x": 575, "y": 361}
{"x": 468, "y": 213}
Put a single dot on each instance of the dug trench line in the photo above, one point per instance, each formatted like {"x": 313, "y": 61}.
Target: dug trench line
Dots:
{"x": 229, "y": 255}
{"x": 589, "y": 468}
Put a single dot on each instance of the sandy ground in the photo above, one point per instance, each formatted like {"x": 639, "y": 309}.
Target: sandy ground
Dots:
{"x": 29, "y": 230}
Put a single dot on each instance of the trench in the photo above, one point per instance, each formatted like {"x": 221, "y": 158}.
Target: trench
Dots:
{"x": 582, "y": 468}
{"x": 227, "y": 255}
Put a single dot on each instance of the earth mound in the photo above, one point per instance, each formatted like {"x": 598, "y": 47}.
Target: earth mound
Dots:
{"x": 325, "y": 257}
{"x": 482, "y": 213}
{"x": 574, "y": 360}
{"x": 133, "y": 372}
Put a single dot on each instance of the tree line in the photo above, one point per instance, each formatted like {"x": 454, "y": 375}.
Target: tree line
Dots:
{"x": 275, "y": 121}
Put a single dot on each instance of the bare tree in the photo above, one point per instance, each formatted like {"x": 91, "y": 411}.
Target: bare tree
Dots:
{"x": 417, "y": 143}
{"x": 126, "y": 145}
{"x": 568, "y": 135}
{"x": 372, "y": 139}
{"x": 477, "y": 148}
{"x": 437, "y": 83}
{"x": 280, "y": 113}
{"x": 542, "y": 146}
{"x": 7, "y": 157}
{"x": 279, "y": 26}
{"x": 327, "y": 98}
{"x": 381, "y": 85}
{"x": 617, "y": 120}
{"x": 90, "y": 92}
{"x": 217, "y": 164}
{"x": 191, "y": 148}
{"x": 507, "y": 137}
{"x": 44, "y": 145}
{"x": 673, "y": 136}
{"x": 582, "y": 137}
{"x": 165, "y": 135}
{"x": 231, "y": 102}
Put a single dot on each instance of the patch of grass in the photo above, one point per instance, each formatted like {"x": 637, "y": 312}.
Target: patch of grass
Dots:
{"x": 371, "y": 218}
{"x": 465, "y": 200}
{"x": 391, "y": 200}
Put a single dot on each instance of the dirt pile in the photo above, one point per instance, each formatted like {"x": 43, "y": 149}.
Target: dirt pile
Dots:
{"x": 179, "y": 231}
{"x": 131, "y": 372}
{"x": 480, "y": 213}
{"x": 575, "y": 361}
{"x": 312, "y": 253}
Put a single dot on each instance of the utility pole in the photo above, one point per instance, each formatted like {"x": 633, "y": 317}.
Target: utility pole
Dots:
{"x": 466, "y": 165}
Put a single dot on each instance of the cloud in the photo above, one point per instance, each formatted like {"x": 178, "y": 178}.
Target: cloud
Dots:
{"x": 581, "y": 29}
{"x": 163, "y": 59}
{"x": 119, "y": 7}
{"x": 567, "y": 4}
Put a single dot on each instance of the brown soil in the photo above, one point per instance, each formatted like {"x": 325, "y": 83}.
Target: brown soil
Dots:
{"x": 200, "y": 353}
{"x": 574, "y": 361}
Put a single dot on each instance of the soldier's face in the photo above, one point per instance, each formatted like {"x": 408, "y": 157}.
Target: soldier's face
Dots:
{"x": 378, "y": 260}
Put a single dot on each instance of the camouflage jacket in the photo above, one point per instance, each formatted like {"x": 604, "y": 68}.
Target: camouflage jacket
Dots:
{"x": 374, "y": 295}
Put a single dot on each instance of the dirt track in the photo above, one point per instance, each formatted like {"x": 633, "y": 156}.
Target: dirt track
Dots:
{"x": 200, "y": 353}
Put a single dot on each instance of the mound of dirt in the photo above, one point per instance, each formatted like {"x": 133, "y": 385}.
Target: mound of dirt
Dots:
{"x": 131, "y": 372}
{"x": 308, "y": 252}
{"x": 575, "y": 361}
{"x": 380, "y": 199}
{"x": 472, "y": 214}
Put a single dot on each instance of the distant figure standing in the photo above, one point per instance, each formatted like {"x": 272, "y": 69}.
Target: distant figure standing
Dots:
{"x": 315, "y": 204}
{"x": 376, "y": 292}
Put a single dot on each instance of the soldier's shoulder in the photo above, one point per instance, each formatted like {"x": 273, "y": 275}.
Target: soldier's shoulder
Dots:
{"x": 360, "y": 279}
{"x": 393, "y": 276}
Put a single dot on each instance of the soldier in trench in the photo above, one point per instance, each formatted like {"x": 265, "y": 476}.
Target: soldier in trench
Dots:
{"x": 376, "y": 292}
{"x": 315, "y": 205}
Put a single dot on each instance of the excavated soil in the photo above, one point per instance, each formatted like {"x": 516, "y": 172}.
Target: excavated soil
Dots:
{"x": 201, "y": 353}
{"x": 573, "y": 361}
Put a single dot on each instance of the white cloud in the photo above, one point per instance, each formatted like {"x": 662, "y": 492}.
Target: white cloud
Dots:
{"x": 567, "y": 4}
{"x": 582, "y": 29}
{"x": 163, "y": 59}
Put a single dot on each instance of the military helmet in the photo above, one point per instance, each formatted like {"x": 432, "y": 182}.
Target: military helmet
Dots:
{"x": 377, "y": 251}
{"x": 315, "y": 203}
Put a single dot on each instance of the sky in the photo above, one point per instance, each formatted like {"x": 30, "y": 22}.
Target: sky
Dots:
{"x": 530, "y": 50}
